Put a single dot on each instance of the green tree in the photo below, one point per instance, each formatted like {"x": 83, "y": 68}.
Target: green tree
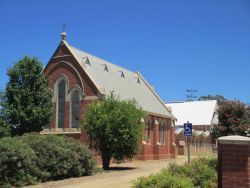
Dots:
{"x": 114, "y": 126}
{"x": 244, "y": 128}
{"x": 233, "y": 119}
{"x": 27, "y": 106}
{"x": 4, "y": 128}
{"x": 220, "y": 99}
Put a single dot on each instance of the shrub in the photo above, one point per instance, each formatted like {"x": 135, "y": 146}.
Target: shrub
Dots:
{"x": 32, "y": 157}
{"x": 212, "y": 162}
{"x": 199, "y": 173}
{"x": 163, "y": 179}
{"x": 202, "y": 172}
{"x": 60, "y": 157}
{"x": 17, "y": 163}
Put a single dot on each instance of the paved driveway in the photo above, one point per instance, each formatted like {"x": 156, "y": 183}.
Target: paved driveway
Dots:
{"x": 115, "y": 178}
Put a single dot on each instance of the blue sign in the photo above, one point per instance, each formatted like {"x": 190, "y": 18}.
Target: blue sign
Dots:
{"x": 187, "y": 129}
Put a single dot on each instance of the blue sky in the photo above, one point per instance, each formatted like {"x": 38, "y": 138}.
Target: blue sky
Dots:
{"x": 176, "y": 45}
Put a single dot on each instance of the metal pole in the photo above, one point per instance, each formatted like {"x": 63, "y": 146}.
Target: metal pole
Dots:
{"x": 188, "y": 149}
{"x": 198, "y": 147}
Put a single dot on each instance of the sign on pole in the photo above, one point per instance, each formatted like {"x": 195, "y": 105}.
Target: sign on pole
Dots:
{"x": 188, "y": 133}
{"x": 187, "y": 129}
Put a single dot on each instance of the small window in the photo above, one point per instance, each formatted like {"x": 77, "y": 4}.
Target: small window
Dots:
{"x": 138, "y": 80}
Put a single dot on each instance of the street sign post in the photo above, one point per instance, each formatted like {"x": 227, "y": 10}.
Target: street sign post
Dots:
{"x": 187, "y": 134}
{"x": 187, "y": 129}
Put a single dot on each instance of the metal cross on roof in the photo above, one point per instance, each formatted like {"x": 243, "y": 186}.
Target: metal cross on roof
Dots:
{"x": 64, "y": 27}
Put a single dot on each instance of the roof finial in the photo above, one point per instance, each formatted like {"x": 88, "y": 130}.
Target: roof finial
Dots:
{"x": 64, "y": 27}
{"x": 63, "y": 34}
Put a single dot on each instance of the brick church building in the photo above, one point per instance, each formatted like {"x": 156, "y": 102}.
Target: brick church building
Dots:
{"x": 77, "y": 78}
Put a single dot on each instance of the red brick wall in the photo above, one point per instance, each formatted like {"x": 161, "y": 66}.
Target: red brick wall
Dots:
{"x": 153, "y": 150}
{"x": 234, "y": 165}
{"x": 56, "y": 67}
{"x": 173, "y": 149}
{"x": 82, "y": 137}
{"x": 146, "y": 152}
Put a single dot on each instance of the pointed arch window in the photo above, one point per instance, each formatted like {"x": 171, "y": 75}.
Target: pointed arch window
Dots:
{"x": 61, "y": 103}
{"x": 75, "y": 105}
{"x": 161, "y": 132}
{"x": 164, "y": 132}
{"x": 147, "y": 130}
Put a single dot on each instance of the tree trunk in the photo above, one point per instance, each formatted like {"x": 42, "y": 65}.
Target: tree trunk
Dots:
{"x": 105, "y": 160}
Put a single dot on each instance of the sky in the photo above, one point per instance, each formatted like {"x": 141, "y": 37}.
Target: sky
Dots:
{"x": 177, "y": 45}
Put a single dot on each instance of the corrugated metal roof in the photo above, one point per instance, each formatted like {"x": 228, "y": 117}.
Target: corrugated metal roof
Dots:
{"x": 196, "y": 112}
{"x": 109, "y": 77}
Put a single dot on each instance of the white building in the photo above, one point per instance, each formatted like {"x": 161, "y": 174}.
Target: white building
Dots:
{"x": 202, "y": 114}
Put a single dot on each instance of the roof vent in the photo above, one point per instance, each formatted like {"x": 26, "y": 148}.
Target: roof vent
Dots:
{"x": 87, "y": 61}
{"x": 122, "y": 74}
{"x": 106, "y": 68}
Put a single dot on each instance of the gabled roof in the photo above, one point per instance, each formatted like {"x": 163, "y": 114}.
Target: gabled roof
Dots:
{"x": 196, "y": 112}
{"x": 109, "y": 78}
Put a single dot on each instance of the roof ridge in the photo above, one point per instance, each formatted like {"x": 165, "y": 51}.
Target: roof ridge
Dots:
{"x": 182, "y": 102}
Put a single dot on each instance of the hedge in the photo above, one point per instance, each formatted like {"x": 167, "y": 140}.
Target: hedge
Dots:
{"x": 32, "y": 158}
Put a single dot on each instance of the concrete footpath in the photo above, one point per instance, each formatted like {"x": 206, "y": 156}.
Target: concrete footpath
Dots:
{"x": 123, "y": 177}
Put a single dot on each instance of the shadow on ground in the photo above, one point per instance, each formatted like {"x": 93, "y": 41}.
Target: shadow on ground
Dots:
{"x": 120, "y": 168}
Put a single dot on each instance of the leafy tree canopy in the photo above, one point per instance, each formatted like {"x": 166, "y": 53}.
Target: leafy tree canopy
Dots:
{"x": 234, "y": 119}
{"x": 27, "y": 105}
{"x": 220, "y": 99}
{"x": 114, "y": 126}
{"x": 4, "y": 128}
